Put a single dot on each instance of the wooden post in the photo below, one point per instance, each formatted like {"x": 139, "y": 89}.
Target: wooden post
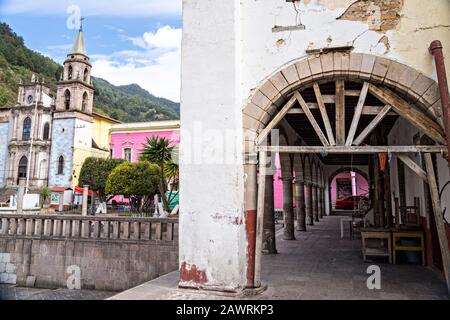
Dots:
{"x": 340, "y": 112}
{"x": 438, "y": 217}
{"x": 387, "y": 194}
{"x": 260, "y": 216}
{"x": 397, "y": 212}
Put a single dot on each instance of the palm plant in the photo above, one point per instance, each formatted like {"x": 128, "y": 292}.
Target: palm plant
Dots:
{"x": 159, "y": 151}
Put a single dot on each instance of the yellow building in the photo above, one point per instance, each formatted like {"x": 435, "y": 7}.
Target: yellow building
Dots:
{"x": 100, "y": 147}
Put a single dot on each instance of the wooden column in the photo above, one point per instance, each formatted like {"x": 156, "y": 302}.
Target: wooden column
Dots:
{"x": 387, "y": 194}
{"x": 438, "y": 218}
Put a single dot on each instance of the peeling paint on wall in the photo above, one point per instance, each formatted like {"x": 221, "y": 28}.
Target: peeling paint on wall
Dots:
{"x": 190, "y": 273}
{"x": 380, "y": 15}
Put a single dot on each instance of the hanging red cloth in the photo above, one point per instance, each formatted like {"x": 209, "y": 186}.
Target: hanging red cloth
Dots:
{"x": 382, "y": 157}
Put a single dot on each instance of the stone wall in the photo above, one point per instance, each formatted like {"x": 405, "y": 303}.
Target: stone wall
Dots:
{"x": 111, "y": 253}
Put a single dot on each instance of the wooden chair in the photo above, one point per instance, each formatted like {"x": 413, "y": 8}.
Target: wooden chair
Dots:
{"x": 408, "y": 216}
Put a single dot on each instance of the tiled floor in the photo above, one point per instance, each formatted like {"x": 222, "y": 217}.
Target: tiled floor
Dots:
{"x": 317, "y": 265}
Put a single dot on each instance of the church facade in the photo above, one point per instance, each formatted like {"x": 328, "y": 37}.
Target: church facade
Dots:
{"x": 45, "y": 139}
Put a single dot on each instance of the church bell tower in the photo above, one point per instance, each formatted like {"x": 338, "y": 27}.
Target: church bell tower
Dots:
{"x": 72, "y": 119}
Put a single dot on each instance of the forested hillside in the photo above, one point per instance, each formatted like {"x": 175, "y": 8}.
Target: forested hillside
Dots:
{"x": 128, "y": 103}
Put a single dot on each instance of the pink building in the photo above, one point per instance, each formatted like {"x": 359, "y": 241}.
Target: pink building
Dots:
{"x": 127, "y": 139}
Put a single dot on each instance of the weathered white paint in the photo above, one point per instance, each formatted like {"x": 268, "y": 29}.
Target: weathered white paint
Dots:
{"x": 229, "y": 50}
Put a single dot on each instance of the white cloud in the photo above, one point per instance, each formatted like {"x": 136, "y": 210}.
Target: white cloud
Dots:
{"x": 117, "y": 8}
{"x": 155, "y": 66}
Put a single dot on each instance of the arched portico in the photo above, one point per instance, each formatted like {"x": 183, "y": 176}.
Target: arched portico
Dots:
{"x": 398, "y": 90}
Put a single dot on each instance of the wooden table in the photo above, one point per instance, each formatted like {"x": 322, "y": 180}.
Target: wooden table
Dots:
{"x": 376, "y": 234}
{"x": 398, "y": 235}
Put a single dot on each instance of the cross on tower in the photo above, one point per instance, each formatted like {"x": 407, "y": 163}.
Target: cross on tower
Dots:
{"x": 81, "y": 23}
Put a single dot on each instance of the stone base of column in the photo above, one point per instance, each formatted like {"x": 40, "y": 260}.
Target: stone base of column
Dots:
{"x": 270, "y": 251}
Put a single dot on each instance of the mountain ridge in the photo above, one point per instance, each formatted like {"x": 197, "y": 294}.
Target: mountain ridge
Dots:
{"x": 126, "y": 103}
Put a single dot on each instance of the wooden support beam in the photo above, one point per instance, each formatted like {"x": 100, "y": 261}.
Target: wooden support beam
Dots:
{"x": 413, "y": 166}
{"x": 367, "y": 110}
{"x": 372, "y": 125}
{"x": 276, "y": 120}
{"x": 340, "y": 112}
{"x": 260, "y": 215}
{"x": 438, "y": 218}
{"x": 311, "y": 119}
{"x": 357, "y": 114}
{"x": 353, "y": 149}
{"x": 415, "y": 117}
{"x": 323, "y": 112}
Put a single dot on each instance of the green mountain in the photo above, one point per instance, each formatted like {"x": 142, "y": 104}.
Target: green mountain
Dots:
{"x": 128, "y": 103}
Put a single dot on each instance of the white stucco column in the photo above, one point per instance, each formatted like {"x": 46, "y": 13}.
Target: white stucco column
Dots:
{"x": 85, "y": 200}
{"x": 20, "y": 196}
{"x": 212, "y": 230}
{"x": 61, "y": 201}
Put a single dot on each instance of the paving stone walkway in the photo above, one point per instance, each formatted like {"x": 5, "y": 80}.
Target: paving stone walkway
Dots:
{"x": 317, "y": 265}
{"x": 10, "y": 292}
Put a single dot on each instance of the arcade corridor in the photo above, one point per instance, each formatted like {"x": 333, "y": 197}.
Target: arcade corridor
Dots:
{"x": 317, "y": 265}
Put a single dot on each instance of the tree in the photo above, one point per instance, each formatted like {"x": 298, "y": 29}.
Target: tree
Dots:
{"x": 95, "y": 172}
{"x": 159, "y": 151}
{"x": 136, "y": 181}
{"x": 45, "y": 194}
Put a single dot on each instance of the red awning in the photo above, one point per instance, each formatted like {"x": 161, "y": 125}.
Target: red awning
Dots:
{"x": 59, "y": 189}
{"x": 79, "y": 190}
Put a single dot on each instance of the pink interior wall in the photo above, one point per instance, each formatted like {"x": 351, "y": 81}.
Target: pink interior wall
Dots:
{"x": 277, "y": 185}
{"x": 361, "y": 187}
{"x": 136, "y": 140}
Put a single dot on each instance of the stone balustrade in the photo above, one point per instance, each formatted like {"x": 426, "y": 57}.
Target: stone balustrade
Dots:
{"x": 86, "y": 227}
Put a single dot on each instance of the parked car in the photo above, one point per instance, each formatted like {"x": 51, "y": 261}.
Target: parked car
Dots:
{"x": 352, "y": 202}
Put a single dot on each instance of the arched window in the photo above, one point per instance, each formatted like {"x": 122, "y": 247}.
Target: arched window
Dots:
{"x": 70, "y": 73}
{"x": 26, "y": 132}
{"x": 85, "y": 75}
{"x": 61, "y": 165}
{"x": 23, "y": 168}
{"x": 46, "y": 131}
{"x": 84, "y": 103}
{"x": 67, "y": 99}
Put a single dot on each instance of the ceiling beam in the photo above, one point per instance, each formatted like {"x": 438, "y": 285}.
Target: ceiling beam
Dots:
{"x": 311, "y": 119}
{"x": 357, "y": 114}
{"x": 413, "y": 166}
{"x": 272, "y": 124}
{"x": 413, "y": 116}
{"x": 340, "y": 112}
{"x": 367, "y": 110}
{"x": 353, "y": 149}
{"x": 323, "y": 112}
{"x": 372, "y": 125}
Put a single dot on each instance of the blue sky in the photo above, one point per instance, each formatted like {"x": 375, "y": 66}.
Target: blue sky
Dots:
{"x": 134, "y": 41}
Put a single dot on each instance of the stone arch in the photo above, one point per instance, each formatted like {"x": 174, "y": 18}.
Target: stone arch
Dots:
{"x": 406, "y": 81}
{"x": 345, "y": 169}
